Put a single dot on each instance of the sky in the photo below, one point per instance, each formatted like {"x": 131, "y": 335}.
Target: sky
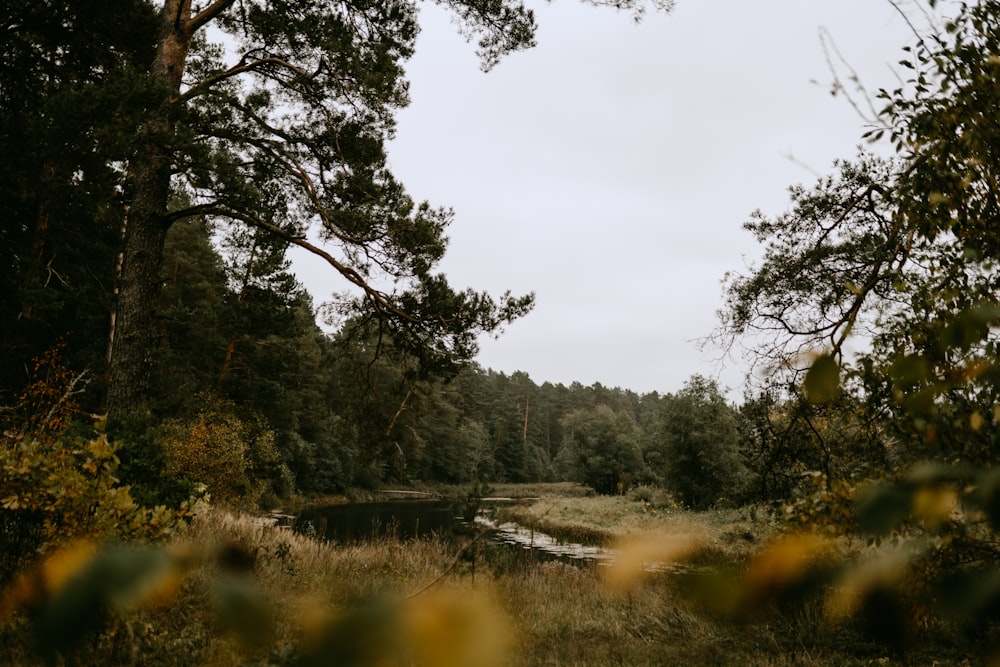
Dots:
{"x": 609, "y": 169}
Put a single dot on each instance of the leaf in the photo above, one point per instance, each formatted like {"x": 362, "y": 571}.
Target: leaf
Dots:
{"x": 884, "y": 508}
{"x": 243, "y": 611}
{"x": 970, "y": 596}
{"x": 910, "y": 370}
{"x": 934, "y": 504}
{"x": 116, "y": 579}
{"x": 937, "y": 198}
{"x": 970, "y": 326}
{"x": 456, "y": 629}
{"x": 858, "y": 583}
{"x": 366, "y": 635}
{"x": 822, "y": 383}
{"x": 635, "y": 555}
{"x": 987, "y": 496}
{"x": 921, "y": 403}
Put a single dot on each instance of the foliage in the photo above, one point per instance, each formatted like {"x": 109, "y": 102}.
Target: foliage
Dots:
{"x": 283, "y": 130}
{"x": 59, "y": 480}
{"x": 234, "y": 458}
{"x": 604, "y": 447}
{"x": 694, "y": 451}
{"x": 232, "y": 591}
{"x": 70, "y": 91}
{"x": 902, "y": 252}
{"x": 788, "y": 442}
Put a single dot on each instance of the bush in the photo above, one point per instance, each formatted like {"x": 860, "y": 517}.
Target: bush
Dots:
{"x": 58, "y": 478}
{"x": 234, "y": 457}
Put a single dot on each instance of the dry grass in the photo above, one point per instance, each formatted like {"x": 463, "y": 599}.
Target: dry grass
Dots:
{"x": 602, "y": 520}
{"x": 554, "y": 614}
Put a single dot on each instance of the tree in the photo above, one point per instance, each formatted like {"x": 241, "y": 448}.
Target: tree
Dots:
{"x": 279, "y": 125}
{"x": 695, "y": 454}
{"x": 68, "y": 87}
{"x": 603, "y": 446}
{"x": 192, "y": 319}
{"x": 898, "y": 252}
{"x": 288, "y": 136}
{"x": 904, "y": 252}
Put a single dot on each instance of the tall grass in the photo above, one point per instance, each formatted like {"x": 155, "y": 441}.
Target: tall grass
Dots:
{"x": 459, "y": 607}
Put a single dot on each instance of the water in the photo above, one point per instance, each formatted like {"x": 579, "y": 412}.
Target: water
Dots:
{"x": 518, "y": 536}
{"x": 409, "y": 519}
{"x": 358, "y": 522}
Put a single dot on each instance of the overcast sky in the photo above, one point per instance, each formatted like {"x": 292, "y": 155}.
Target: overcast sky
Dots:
{"x": 609, "y": 169}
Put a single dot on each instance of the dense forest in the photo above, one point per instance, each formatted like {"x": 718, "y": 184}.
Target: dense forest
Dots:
{"x": 147, "y": 220}
{"x": 152, "y": 192}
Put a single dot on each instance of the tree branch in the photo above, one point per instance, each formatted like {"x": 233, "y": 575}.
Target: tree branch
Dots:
{"x": 209, "y": 13}
{"x": 242, "y": 67}
{"x": 379, "y": 300}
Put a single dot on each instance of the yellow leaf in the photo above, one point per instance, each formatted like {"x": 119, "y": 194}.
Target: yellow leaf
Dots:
{"x": 638, "y": 555}
{"x": 934, "y": 504}
{"x": 456, "y": 629}
{"x": 784, "y": 561}
{"x": 879, "y": 573}
{"x": 65, "y": 563}
{"x": 976, "y": 421}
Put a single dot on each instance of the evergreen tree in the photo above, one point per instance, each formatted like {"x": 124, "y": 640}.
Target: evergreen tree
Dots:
{"x": 70, "y": 92}
{"x": 288, "y": 134}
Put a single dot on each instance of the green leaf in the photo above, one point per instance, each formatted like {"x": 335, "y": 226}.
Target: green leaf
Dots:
{"x": 910, "y": 370}
{"x": 242, "y": 610}
{"x": 114, "y": 580}
{"x": 822, "y": 383}
{"x": 921, "y": 403}
{"x": 969, "y": 327}
{"x": 987, "y": 496}
{"x": 884, "y": 508}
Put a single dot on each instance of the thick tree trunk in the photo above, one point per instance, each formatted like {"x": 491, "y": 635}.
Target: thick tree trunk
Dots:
{"x": 131, "y": 362}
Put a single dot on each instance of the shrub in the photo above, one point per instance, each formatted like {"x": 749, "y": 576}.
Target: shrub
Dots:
{"x": 234, "y": 457}
{"x": 58, "y": 477}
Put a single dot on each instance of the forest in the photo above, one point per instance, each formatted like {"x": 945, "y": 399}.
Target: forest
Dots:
{"x": 158, "y": 356}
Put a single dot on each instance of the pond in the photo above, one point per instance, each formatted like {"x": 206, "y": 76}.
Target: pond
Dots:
{"x": 401, "y": 519}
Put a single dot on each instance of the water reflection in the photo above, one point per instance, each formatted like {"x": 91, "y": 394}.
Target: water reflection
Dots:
{"x": 515, "y": 535}
{"x": 358, "y": 522}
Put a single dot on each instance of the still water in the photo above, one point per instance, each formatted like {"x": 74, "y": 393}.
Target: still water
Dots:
{"x": 358, "y": 522}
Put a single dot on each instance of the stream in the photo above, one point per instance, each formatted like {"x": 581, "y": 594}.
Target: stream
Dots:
{"x": 413, "y": 518}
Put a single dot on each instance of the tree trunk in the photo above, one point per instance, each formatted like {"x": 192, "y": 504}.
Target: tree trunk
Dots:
{"x": 131, "y": 368}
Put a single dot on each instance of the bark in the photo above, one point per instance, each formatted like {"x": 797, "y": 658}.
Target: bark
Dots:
{"x": 131, "y": 368}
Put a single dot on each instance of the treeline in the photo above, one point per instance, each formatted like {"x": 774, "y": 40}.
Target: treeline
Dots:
{"x": 255, "y": 400}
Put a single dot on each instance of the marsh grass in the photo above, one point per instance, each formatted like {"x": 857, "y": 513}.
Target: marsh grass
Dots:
{"x": 602, "y": 520}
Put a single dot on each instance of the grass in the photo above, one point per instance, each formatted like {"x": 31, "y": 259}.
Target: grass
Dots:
{"x": 430, "y": 602}
{"x": 733, "y": 534}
